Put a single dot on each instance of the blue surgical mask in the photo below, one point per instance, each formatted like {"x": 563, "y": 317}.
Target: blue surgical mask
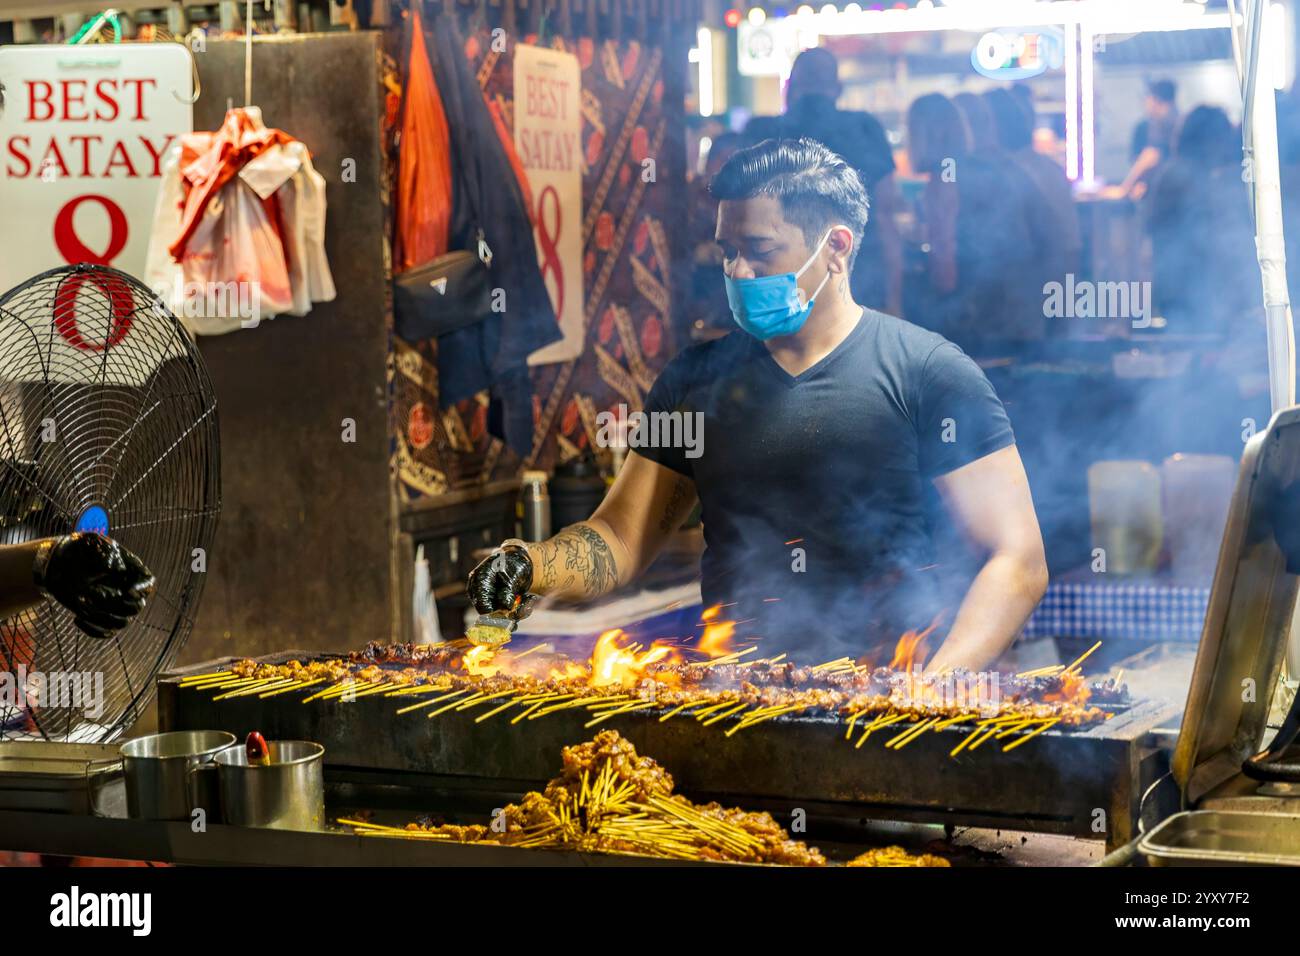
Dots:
{"x": 770, "y": 306}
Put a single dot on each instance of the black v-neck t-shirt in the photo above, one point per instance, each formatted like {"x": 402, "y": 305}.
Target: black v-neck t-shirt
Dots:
{"x": 813, "y": 488}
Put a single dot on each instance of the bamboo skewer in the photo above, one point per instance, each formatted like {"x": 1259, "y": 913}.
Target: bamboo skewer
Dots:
{"x": 254, "y": 684}
{"x": 200, "y": 678}
{"x": 415, "y": 689}
{"x": 729, "y": 658}
{"x": 722, "y": 714}
{"x": 752, "y": 718}
{"x": 1086, "y": 654}
{"x": 1047, "y": 724}
{"x": 481, "y": 698}
{"x": 454, "y": 703}
{"x": 533, "y": 707}
{"x": 496, "y": 710}
{"x": 626, "y": 709}
{"x": 711, "y": 709}
{"x": 898, "y": 743}
{"x": 675, "y": 711}
{"x": 881, "y": 721}
{"x": 253, "y": 688}
{"x": 1043, "y": 671}
{"x": 430, "y": 703}
{"x": 296, "y": 686}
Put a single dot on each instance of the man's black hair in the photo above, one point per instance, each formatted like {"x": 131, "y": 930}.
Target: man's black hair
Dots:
{"x": 817, "y": 189}
{"x": 1163, "y": 90}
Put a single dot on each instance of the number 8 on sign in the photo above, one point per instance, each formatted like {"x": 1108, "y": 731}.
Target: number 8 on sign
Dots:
{"x": 548, "y": 239}
{"x": 74, "y": 252}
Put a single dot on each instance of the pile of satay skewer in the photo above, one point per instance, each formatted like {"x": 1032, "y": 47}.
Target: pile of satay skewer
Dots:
{"x": 435, "y": 693}
{"x": 610, "y": 799}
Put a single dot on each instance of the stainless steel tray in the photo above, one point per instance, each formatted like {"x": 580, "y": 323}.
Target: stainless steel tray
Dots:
{"x": 1224, "y": 838}
{"x": 55, "y": 777}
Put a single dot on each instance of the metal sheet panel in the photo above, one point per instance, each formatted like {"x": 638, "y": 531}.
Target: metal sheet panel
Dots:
{"x": 1249, "y": 617}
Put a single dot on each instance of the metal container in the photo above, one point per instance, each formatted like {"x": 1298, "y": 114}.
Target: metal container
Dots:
{"x": 286, "y": 794}
{"x": 169, "y": 776}
{"x": 55, "y": 777}
{"x": 1224, "y": 838}
{"x": 536, "y": 507}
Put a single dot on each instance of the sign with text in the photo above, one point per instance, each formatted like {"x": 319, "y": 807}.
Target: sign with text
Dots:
{"x": 83, "y": 133}
{"x": 82, "y": 138}
{"x": 548, "y": 138}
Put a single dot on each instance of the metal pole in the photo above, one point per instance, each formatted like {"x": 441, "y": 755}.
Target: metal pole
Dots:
{"x": 1259, "y": 132}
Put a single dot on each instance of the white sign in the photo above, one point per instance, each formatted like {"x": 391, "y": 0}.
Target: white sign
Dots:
{"x": 83, "y": 132}
{"x": 82, "y": 137}
{"x": 548, "y": 138}
{"x": 770, "y": 48}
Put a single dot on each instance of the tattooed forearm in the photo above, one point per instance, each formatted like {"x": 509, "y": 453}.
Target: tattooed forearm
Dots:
{"x": 577, "y": 562}
{"x": 671, "y": 517}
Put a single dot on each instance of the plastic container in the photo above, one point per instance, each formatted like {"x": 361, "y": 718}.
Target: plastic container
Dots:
{"x": 1124, "y": 506}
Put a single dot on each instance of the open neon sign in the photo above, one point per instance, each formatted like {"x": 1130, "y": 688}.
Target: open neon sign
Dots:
{"x": 1013, "y": 55}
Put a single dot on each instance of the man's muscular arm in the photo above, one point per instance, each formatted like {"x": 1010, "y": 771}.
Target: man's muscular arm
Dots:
{"x": 591, "y": 558}
{"x": 989, "y": 499}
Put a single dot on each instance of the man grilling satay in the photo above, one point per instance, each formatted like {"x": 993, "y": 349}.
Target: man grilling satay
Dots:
{"x": 825, "y": 427}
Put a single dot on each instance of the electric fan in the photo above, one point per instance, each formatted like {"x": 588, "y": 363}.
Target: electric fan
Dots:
{"x": 108, "y": 423}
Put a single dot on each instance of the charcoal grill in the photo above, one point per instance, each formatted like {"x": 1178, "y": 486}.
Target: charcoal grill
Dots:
{"x": 1084, "y": 782}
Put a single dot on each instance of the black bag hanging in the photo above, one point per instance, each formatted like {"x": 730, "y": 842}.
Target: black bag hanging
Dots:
{"x": 450, "y": 292}
{"x": 446, "y": 294}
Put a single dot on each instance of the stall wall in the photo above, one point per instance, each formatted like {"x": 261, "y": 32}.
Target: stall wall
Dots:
{"x": 302, "y": 555}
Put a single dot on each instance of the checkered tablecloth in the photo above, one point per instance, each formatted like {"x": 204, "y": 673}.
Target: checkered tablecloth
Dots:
{"x": 1141, "y": 610}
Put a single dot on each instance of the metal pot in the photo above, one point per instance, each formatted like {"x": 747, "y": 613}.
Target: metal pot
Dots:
{"x": 170, "y": 775}
{"x": 286, "y": 794}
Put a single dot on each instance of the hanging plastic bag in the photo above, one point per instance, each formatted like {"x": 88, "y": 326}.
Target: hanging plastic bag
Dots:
{"x": 423, "y": 210}
{"x": 234, "y": 264}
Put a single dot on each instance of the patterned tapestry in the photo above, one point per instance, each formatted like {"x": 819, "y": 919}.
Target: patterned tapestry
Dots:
{"x": 629, "y": 230}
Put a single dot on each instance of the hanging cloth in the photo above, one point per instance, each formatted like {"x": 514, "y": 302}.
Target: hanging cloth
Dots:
{"x": 424, "y": 186}
{"x": 491, "y": 354}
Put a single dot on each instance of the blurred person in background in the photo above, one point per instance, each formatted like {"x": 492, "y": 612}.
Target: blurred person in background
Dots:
{"x": 978, "y": 288}
{"x": 982, "y": 131}
{"x": 811, "y": 113}
{"x": 1056, "y": 221}
{"x": 1197, "y": 213}
{"x": 1153, "y": 139}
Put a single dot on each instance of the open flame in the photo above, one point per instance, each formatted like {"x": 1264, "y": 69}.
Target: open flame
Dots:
{"x": 624, "y": 665}
{"x": 481, "y": 661}
{"x": 911, "y": 650}
{"x": 717, "y": 637}
{"x": 616, "y": 659}
{"x": 1074, "y": 689}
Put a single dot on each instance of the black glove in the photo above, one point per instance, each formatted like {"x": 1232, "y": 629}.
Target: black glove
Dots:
{"x": 102, "y": 583}
{"x": 501, "y": 581}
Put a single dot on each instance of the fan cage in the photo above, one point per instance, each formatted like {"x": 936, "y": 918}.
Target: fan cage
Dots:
{"x": 108, "y": 421}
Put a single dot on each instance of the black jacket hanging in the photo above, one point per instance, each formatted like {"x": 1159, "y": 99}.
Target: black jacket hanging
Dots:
{"x": 493, "y": 353}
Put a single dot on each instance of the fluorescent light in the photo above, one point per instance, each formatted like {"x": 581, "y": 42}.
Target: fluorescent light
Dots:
{"x": 1087, "y": 130}
{"x": 704, "y": 43}
{"x": 1275, "y": 45}
{"x": 757, "y": 16}
{"x": 979, "y": 16}
{"x": 1071, "y": 102}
